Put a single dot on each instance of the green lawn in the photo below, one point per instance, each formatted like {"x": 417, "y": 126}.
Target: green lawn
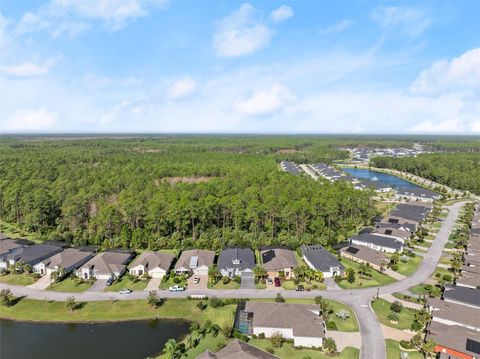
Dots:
{"x": 126, "y": 282}
{"x": 393, "y": 351}
{"x": 412, "y": 298}
{"x": 38, "y": 310}
{"x": 209, "y": 342}
{"x": 18, "y": 279}
{"x": 290, "y": 285}
{"x": 69, "y": 285}
{"x": 287, "y": 351}
{"x": 169, "y": 282}
{"x": 382, "y": 308}
{"x": 377, "y": 279}
{"x": 230, "y": 285}
{"x": 410, "y": 267}
{"x": 260, "y": 285}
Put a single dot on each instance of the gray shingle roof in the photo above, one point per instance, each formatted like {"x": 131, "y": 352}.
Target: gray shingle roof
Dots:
{"x": 151, "y": 260}
{"x": 35, "y": 253}
{"x": 229, "y": 256}
{"x": 378, "y": 240}
{"x": 237, "y": 349}
{"x": 320, "y": 258}
{"x": 465, "y": 295}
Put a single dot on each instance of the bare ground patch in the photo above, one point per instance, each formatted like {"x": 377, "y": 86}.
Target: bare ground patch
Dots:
{"x": 190, "y": 180}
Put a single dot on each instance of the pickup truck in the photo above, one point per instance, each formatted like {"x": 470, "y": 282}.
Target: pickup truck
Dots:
{"x": 176, "y": 288}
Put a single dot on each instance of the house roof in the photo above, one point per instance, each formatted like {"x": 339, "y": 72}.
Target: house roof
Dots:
{"x": 204, "y": 258}
{"x": 33, "y": 253}
{"x": 108, "y": 262}
{"x": 303, "y": 319}
{"x": 393, "y": 232}
{"x": 455, "y": 337}
{"x": 465, "y": 295}
{"x": 367, "y": 254}
{"x": 278, "y": 258}
{"x": 378, "y": 240}
{"x": 229, "y": 256}
{"x": 67, "y": 258}
{"x": 151, "y": 260}
{"x": 8, "y": 245}
{"x": 238, "y": 349}
{"x": 320, "y": 258}
{"x": 457, "y": 313}
{"x": 377, "y": 185}
{"x": 417, "y": 192}
{"x": 410, "y": 212}
{"x": 393, "y": 225}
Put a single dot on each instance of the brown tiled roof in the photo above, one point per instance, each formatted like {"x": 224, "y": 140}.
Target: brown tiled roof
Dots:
{"x": 237, "y": 349}
{"x": 453, "y": 337}
{"x": 366, "y": 254}
{"x": 204, "y": 258}
{"x": 108, "y": 262}
{"x": 278, "y": 258}
{"x": 67, "y": 258}
{"x": 302, "y": 318}
{"x": 151, "y": 260}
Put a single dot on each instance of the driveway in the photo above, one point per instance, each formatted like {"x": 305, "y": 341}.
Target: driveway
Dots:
{"x": 248, "y": 281}
{"x": 331, "y": 285}
{"x": 200, "y": 285}
{"x": 345, "y": 339}
{"x": 43, "y": 283}
{"x": 98, "y": 286}
{"x": 153, "y": 284}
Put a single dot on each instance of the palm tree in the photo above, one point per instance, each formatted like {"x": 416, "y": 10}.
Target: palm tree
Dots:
{"x": 215, "y": 329}
{"x": 190, "y": 341}
{"x": 171, "y": 348}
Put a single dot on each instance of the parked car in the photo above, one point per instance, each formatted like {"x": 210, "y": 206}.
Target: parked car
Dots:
{"x": 176, "y": 288}
{"x": 278, "y": 282}
{"x": 125, "y": 291}
{"x": 269, "y": 281}
{"x": 300, "y": 288}
{"x": 109, "y": 281}
{"x": 196, "y": 280}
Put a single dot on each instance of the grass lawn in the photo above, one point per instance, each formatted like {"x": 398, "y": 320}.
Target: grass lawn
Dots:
{"x": 420, "y": 289}
{"x": 69, "y": 285}
{"x": 169, "y": 282}
{"x": 126, "y": 282}
{"x": 290, "y": 285}
{"x": 209, "y": 342}
{"x": 410, "y": 267}
{"x": 38, "y": 310}
{"x": 393, "y": 351}
{"x": 377, "y": 279}
{"x": 349, "y": 325}
{"x": 287, "y": 351}
{"x": 18, "y": 279}
{"x": 230, "y": 285}
{"x": 411, "y": 299}
{"x": 260, "y": 285}
{"x": 382, "y": 308}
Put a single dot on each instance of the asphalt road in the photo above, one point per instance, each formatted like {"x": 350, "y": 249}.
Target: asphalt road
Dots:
{"x": 373, "y": 343}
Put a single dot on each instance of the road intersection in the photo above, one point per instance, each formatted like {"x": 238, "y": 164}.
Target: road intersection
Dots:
{"x": 373, "y": 342}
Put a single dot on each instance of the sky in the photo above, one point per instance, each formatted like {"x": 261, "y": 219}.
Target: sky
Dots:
{"x": 159, "y": 66}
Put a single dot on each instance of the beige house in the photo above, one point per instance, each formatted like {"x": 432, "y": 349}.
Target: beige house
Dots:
{"x": 105, "y": 265}
{"x": 278, "y": 260}
{"x": 155, "y": 264}
{"x": 69, "y": 259}
{"x": 361, "y": 254}
{"x": 237, "y": 349}
{"x": 194, "y": 261}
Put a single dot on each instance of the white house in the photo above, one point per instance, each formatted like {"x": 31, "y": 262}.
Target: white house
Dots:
{"x": 321, "y": 260}
{"x": 105, "y": 265}
{"x": 155, "y": 264}
{"x": 300, "y": 322}
{"x": 70, "y": 259}
{"x": 378, "y": 242}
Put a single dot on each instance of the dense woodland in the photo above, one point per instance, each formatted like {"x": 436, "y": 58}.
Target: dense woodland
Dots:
{"x": 175, "y": 192}
{"x": 457, "y": 170}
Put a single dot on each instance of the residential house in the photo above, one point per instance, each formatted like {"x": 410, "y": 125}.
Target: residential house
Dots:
{"x": 412, "y": 225}
{"x": 462, "y": 295}
{"x": 377, "y": 186}
{"x": 453, "y": 341}
{"x": 416, "y": 194}
{"x": 31, "y": 255}
{"x": 414, "y": 211}
{"x": 234, "y": 261}
{"x": 195, "y": 261}
{"x": 155, "y": 264}
{"x": 278, "y": 261}
{"x": 290, "y": 167}
{"x": 8, "y": 247}
{"x": 450, "y": 313}
{"x": 377, "y": 242}
{"x": 106, "y": 265}
{"x": 237, "y": 349}
{"x": 320, "y": 259}
{"x": 393, "y": 232}
{"x": 300, "y": 322}
{"x": 361, "y": 254}
{"x": 69, "y": 259}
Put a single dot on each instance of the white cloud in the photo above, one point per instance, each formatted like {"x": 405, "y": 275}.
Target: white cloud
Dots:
{"x": 458, "y": 74}
{"x": 30, "y": 120}
{"x": 410, "y": 22}
{"x": 443, "y": 126}
{"x": 181, "y": 88}
{"x": 241, "y": 33}
{"x": 26, "y": 69}
{"x": 265, "y": 102}
{"x": 337, "y": 27}
{"x": 475, "y": 126}
{"x": 73, "y": 16}
{"x": 111, "y": 115}
{"x": 281, "y": 14}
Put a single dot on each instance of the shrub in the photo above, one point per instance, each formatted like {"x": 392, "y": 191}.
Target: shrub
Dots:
{"x": 176, "y": 280}
{"x": 277, "y": 340}
{"x": 331, "y": 325}
{"x": 261, "y": 336}
{"x": 225, "y": 280}
{"x": 406, "y": 344}
{"x": 270, "y": 350}
{"x": 237, "y": 279}
{"x": 416, "y": 326}
{"x": 279, "y": 298}
{"x": 396, "y": 306}
{"x": 438, "y": 275}
{"x": 201, "y": 305}
{"x": 216, "y": 302}
{"x": 447, "y": 278}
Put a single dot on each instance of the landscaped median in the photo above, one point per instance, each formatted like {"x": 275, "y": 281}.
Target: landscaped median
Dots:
{"x": 374, "y": 279}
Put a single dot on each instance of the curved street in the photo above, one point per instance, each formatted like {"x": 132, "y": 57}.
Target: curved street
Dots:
{"x": 373, "y": 343}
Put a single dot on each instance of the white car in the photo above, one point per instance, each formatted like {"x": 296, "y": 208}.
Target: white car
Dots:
{"x": 176, "y": 288}
{"x": 125, "y": 291}
{"x": 196, "y": 280}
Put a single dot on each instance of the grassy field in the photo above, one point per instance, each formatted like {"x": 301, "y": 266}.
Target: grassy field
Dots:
{"x": 382, "y": 308}
{"x": 290, "y": 285}
{"x": 410, "y": 267}
{"x": 377, "y": 279}
{"x": 37, "y": 310}
{"x": 287, "y": 351}
{"x": 168, "y": 283}
{"x": 411, "y": 299}
{"x": 69, "y": 285}
{"x": 230, "y": 285}
{"x": 393, "y": 351}
{"x": 126, "y": 282}
{"x": 209, "y": 342}
{"x": 18, "y": 279}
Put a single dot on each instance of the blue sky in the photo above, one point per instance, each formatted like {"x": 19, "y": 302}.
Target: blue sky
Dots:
{"x": 240, "y": 67}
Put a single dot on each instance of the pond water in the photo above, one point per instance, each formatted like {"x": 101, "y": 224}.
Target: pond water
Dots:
{"x": 391, "y": 180}
{"x": 138, "y": 339}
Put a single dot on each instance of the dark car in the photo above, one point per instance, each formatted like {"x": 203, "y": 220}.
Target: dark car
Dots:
{"x": 278, "y": 282}
{"x": 109, "y": 281}
{"x": 300, "y": 288}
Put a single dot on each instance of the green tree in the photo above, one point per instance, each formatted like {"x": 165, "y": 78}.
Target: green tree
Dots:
{"x": 71, "y": 304}
{"x": 6, "y": 297}
{"x": 329, "y": 346}
{"x": 350, "y": 275}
